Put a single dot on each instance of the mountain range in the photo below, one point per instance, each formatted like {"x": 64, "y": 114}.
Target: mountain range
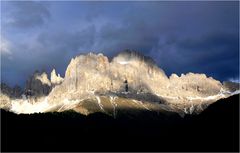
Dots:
{"x": 128, "y": 83}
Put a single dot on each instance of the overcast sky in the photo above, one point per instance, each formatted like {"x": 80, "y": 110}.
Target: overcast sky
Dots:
{"x": 200, "y": 37}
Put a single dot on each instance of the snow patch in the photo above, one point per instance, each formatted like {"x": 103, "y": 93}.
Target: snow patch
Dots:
{"x": 99, "y": 103}
{"x": 123, "y": 62}
{"x": 235, "y": 92}
{"x": 69, "y": 104}
{"x": 114, "y": 104}
{"x": 141, "y": 104}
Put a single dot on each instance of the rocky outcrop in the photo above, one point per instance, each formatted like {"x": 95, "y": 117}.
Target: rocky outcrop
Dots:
{"x": 55, "y": 79}
{"x": 85, "y": 74}
{"x": 38, "y": 84}
{"x": 5, "y": 101}
{"x": 194, "y": 84}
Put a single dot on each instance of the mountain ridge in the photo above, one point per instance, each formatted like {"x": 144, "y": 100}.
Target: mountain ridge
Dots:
{"x": 93, "y": 83}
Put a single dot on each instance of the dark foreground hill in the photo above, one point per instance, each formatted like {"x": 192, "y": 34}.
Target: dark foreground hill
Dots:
{"x": 215, "y": 129}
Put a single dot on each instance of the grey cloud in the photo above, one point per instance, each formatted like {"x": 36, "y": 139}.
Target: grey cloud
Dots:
{"x": 5, "y": 47}
{"x": 133, "y": 36}
{"x": 45, "y": 52}
{"x": 215, "y": 54}
{"x": 27, "y": 14}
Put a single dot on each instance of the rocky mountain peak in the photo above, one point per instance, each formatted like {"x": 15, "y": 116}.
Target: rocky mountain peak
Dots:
{"x": 55, "y": 79}
{"x": 43, "y": 77}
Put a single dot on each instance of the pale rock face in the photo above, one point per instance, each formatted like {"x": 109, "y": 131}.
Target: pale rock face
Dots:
{"x": 43, "y": 78}
{"x": 56, "y": 79}
{"x": 5, "y": 101}
{"x": 84, "y": 74}
{"x": 92, "y": 74}
{"x": 194, "y": 84}
{"x": 140, "y": 72}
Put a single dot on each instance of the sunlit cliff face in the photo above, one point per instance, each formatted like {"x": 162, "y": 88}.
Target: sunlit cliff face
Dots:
{"x": 94, "y": 84}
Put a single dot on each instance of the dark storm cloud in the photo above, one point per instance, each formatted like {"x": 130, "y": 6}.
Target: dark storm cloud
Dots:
{"x": 115, "y": 39}
{"x": 67, "y": 45}
{"x": 44, "y": 56}
{"x": 182, "y": 43}
{"x": 211, "y": 41}
{"x": 200, "y": 37}
{"x": 215, "y": 54}
{"x": 26, "y": 14}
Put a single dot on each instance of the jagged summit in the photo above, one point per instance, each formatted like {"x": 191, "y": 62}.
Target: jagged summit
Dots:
{"x": 55, "y": 79}
{"x": 123, "y": 57}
